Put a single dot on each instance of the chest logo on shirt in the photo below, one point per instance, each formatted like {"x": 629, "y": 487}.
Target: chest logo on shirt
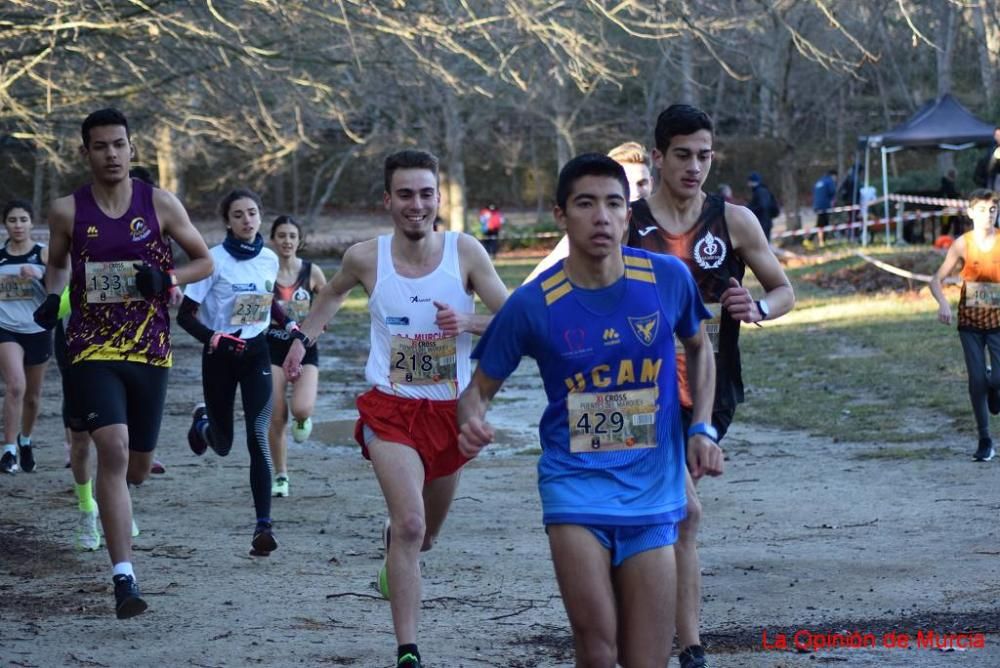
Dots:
{"x": 576, "y": 343}
{"x": 645, "y": 328}
{"x": 710, "y": 251}
{"x": 397, "y": 320}
{"x": 416, "y": 299}
{"x": 138, "y": 229}
{"x": 92, "y": 232}
{"x": 647, "y": 230}
{"x": 244, "y": 287}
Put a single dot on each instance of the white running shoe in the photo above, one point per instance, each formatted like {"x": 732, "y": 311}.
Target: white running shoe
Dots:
{"x": 279, "y": 487}
{"x": 301, "y": 429}
{"x": 87, "y": 535}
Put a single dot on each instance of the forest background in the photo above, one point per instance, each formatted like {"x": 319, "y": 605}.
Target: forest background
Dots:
{"x": 302, "y": 99}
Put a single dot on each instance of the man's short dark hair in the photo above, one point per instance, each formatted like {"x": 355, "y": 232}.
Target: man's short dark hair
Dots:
{"x": 982, "y": 195}
{"x": 678, "y": 120}
{"x": 102, "y": 117}
{"x": 588, "y": 164}
{"x": 409, "y": 159}
{"x": 19, "y": 204}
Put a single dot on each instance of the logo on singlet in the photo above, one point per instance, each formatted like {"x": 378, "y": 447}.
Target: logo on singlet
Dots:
{"x": 576, "y": 343}
{"x": 645, "y": 328}
{"x": 647, "y": 230}
{"x": 415, "y": 299}
{"x": 710, "y": 251}
{"x": 92, "y": 232}
{"x": 138, "y": 229}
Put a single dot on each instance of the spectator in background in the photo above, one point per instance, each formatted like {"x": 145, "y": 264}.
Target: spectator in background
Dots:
{"x": 949, "y": 185}
{"x": 824, "y": 197}
{"x": 762, "y": 203}
{"x": 726, "y": 192}
{"x": 848, "y": 193}
{"x": 987, "y": 173}
{"x": 491, "y": 222}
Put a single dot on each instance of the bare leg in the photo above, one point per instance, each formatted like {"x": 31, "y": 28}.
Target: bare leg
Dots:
{"x": 277, "y": 432}
{"x": 79, "y": 456}
{"x": 12, "y": 372}
{"x": 304, "y": 393}
{"x": 32, "y": 396}
{"x": 401, "y": 476}
{"x": 112, "y": 492}
{"x": 438, "y": 495}
{"x": 583, "y": 570}
{"x": 688, "y": 571}
{"x": 646, "y": 598}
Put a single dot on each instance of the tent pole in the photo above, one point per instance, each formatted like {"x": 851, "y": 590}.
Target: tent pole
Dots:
{"x": 885, "y": 195}
{"x": 864, "y": 217}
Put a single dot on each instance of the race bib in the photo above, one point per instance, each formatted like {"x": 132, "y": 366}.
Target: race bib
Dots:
{"x": 15, "y": 288}
{"x": 982, "y": 295}
{"x": 110, "y": 282}
{"x": 611, "y": 421}
{"x": 251, "y": 308}
{"x": 712, "y": 326}
{"x": 421, "y": 361}
{"x": 297, "y": 309}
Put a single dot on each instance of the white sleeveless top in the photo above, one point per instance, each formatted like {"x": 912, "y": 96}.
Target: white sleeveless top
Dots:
{"x": 410, "y": 357}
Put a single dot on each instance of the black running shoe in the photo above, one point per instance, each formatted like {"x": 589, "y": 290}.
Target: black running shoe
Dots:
{"x": 128, "y": 600}
{"x": 693, "y": 657}
{"x": 408, "y": 661}
{"x": 264, "y": 542}
{"x": 25, "y": 456}
{"x": 196, "y": 438}
{"x": 984, "y": 452}
{"x": 8, "y": 463}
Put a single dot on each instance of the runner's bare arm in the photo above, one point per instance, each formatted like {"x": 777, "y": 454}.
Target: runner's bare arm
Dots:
{"x": 703, "y": 454}
{"x": 175, "y": 223}
{"x": 316, "y": 279}
{"x": 954, "y": 259}
{"x": 483, "y": 280}
{"x": 751, "y": 245}
{"x": 474, "y": 433}
{"x": 60, "y": 236}
{"x": 356, "y": 268}
{"x": 558, "y": 253}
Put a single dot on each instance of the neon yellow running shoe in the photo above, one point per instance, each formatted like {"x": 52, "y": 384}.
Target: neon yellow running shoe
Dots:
{"x": 382, "y": 582}
{"x": 301, "y": 429}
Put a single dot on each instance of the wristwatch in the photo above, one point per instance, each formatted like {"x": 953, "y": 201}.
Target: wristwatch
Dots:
{"x": 764, "y": 309}
{"x": 704, "y": 428}
{"x": 297, "y": 333}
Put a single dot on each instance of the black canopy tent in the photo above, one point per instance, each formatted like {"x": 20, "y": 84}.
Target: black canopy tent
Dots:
{"x": 939, "y": 124}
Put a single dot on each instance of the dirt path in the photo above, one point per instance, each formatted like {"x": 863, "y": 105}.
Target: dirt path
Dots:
{"x": 801, "y": 533}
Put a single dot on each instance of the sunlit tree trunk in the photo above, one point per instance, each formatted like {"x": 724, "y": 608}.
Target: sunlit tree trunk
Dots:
{"x": 166, "y": 161}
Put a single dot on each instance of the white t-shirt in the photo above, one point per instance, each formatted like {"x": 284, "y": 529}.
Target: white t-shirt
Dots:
{"x": 238, "y": 294}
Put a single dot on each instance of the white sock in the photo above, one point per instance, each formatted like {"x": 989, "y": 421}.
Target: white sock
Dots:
{"x": 123, "y": 568}
{"x": 11, "y": 448}
{"x": 24, "y": 439}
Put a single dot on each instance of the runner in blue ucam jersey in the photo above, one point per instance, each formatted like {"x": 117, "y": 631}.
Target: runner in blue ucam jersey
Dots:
{"x": 601, "y": 326}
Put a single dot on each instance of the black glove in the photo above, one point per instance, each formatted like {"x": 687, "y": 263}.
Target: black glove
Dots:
{"x": 47, "y": 315}
{"x": 152, "y": 281}
{"x": 228, "y": 344}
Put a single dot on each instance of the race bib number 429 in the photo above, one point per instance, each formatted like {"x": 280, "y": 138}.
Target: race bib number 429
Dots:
{"x": 609, "y": 421}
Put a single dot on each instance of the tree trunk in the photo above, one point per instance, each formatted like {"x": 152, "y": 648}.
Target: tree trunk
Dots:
{"x": 166, "y": 161}
{"x": 38, "y": 183}
{"x": 947, "y": 29}
{"x": 454, "y": 139}
{"x": 689, "y": 92}
{"x": 987, "y": 58}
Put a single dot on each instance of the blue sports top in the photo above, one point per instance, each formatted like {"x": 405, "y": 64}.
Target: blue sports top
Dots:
{"x": 612, "y": 447}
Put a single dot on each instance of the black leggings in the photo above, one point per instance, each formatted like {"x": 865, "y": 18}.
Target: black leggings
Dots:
{"x": 252, "y": 372}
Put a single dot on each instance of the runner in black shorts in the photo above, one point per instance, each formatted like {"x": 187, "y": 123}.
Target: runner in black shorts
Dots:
{"x": 298, "y": 280}
{"x": 113, "y": 236}
{"x": 25, "y": 348}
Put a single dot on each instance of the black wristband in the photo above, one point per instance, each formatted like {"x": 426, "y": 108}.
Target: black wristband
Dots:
{"x": 297, "y": 333}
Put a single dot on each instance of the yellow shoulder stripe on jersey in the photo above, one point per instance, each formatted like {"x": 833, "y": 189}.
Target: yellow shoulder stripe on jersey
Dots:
{"x": 640, "y": 262}
{"x": 639, "y": 275}
{"x": 552, "y": 295}
{"x": 553, "y": 280}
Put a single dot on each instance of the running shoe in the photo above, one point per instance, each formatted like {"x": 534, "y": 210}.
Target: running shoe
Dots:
{"x": 984, "y": 452}
{"x": 993, "y": 400}
{"x": 382, "y": 581}
{"x": 135, "y": 528}
{"x": 301, "y": 429}
{"x": 196, "y": 434}
{"x": 693, "y": 657}
{"x": 128, "y": 600}
{"x": 280, "y": 486}
{"x": 68, "y": 462}
{"x": 408, "y": 661}
{"x": 264, "y": 542}
{"x": 8, "y": 463}
{"x": 25, "y": 456}
{"x": 87, "y": 535}
{"x": 157, "y": 467}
